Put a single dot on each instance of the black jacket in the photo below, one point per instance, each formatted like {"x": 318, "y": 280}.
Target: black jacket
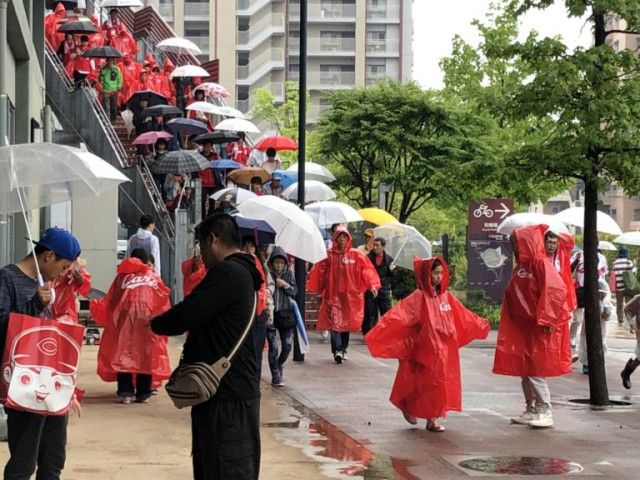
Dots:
{"x": 215, "y": 315}
{"x": 281, "y": 295}
{"x": 384, "y": 272}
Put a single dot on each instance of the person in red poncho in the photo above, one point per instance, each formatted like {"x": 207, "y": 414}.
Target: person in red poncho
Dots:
{"x": 51, "y": 24}
{"x": 130, "y": 75}
{"x": 193, "y": 272}
{"x": 76, "y": 280}
{"x": 341, "y": 279}
{"x": 168, "y": 88}
{"x": 425, "y": 331}
{"x": 533, "y": 337}
{"x": 128, "y": 346}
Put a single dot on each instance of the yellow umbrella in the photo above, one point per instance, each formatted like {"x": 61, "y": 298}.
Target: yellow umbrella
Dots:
{"x": 377, "y": 216}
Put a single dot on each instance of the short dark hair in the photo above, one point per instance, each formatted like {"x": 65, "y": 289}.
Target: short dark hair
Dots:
{"x": 146, "y": 220}
{"x": 549, "y": 234}
{"x": 248, "y": 239}
{"x": 256, "y": 180}
{"x": 221, "y": 225}
{"x": 39, "y": 250}
{"x": 436, "y": 263}
{"x": 141, "y": 254}
{"x": 382, "y": 241}
{"x": 271, "y": 152}
{"x": 84, "y": 38}
{"x": 152, "y": 259}
{"x": 334, "y": 226}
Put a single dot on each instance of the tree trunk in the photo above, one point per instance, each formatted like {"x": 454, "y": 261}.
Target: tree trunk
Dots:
{"x": 599, "y": 394}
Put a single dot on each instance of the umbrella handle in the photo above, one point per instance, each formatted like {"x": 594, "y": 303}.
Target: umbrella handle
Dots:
{"x": 33, "y": 251}
{"x": 400, "y": 249}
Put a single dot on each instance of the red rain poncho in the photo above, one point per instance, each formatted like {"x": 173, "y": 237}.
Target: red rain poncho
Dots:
{"x": 191, "y": 275}
{"x": 341, "y": 279}
{"x": 67, "y": 290}
{"x": 535, "y": 298}
{"x": 425, "y": 331}
{"x": 52, "y": 23}
{"x": 565, "y": 247}
{"x": 128, "y": 345}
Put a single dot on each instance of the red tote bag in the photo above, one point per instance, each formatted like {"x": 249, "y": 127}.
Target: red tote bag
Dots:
{"x": 40, "y": 364}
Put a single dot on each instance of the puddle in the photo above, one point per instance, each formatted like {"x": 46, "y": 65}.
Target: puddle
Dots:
{"x": 521, "y": 465}
{"x": 338, "y": 455}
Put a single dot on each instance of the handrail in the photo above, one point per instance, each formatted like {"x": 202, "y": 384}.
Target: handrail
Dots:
{"x": 155, "y": 195}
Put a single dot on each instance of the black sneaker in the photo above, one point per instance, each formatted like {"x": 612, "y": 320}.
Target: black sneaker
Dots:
{"x": 338, "y": 357}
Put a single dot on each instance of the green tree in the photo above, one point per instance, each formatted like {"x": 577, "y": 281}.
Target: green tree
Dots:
{"x": 582, "y": 108}
{"x": 399, "y": 134}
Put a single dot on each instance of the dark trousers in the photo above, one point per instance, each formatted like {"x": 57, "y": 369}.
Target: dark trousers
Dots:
{"x": 226, "y": 440}
{"x": 261, "y": 335}
{"x": 374, "y": 308}
{"x": 110, "y": 105}
{"x": 78, "y": 79}
{"x": 142, "y": 388}
{"x": 339, "y": 341}
{"x": 35, "y": 440}
{"x": 207, "y": 203}
{"x": 278, "y": 357}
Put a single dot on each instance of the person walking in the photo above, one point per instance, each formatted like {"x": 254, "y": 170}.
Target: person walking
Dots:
{"x": 225, "y": 428}
{"x": 110, "y": 78}
{"x": 36, "y": 440}
{"x": 145, "y": 239}
{"x": 376, "y": 307}
{"x": 607, "y": 313}
{"x": 128, "y": 348}
{"x": 284, "y": 320}
{"x": 533, "y": 340}
{"x": 632, "y": 317}
{"x": 76, "y": 280}
{"x": 425, "y": 331}
{"x": 619, "y": 266}
{"x": 341, "y": 279}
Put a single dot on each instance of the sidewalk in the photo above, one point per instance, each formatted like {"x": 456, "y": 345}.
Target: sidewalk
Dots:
{"x": 153, "y": 441}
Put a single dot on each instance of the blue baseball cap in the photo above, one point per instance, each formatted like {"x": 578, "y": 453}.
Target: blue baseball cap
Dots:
{"x": 60, "y": 242}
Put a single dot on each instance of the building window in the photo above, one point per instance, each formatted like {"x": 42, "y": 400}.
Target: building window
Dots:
{"x": 614, "y": 212}
{"x": 636, "y": 214}
{"x": 606, "y": 209}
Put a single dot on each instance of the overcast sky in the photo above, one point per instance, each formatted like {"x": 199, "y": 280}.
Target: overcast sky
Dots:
{"x": 437, "y": 21}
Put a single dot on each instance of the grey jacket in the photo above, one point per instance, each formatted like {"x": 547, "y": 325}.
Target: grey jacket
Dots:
{"x": 281, "y": 295}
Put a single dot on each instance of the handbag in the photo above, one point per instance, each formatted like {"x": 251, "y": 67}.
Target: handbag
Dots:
{"x": 284, "y": 319}
{"x": 194, "y": 383}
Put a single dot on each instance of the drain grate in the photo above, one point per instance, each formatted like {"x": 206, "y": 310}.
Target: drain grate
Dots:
{"x": 521, "y": 465}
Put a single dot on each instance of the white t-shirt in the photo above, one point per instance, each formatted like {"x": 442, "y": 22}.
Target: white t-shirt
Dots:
{"x": 603, "y": 267}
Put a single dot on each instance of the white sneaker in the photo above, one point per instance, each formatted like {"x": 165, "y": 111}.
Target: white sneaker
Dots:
{"x": 526, "y": 417}
{"x": 344, "y": 356}
{"x": 338, "y": 357}
{"x": 543, "y": 420}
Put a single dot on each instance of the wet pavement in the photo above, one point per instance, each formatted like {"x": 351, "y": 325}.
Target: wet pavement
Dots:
{"x": 340, "y": 416}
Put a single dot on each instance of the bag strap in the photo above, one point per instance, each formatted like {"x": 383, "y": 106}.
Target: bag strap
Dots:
{"x": 246, "y": 330}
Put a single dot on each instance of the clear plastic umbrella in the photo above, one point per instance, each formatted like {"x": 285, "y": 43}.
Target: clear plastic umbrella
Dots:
{"x": 314, "y": 171}
{"x": 628, "y": 238}
{"x": 233, "y": 195}
{"x": 314, "y": 191}
{"x": 179, "y": 45}
{"x": 42, "y": 174}
{"x": 295, "y": 231}
{"x": 526, "y": 219}
{"x": 326, "y": 214}
{"x": 237, "y": 125}
{"x": 120, "y": 3}
{"x": 404, "y": 243}
{"x": 188, "y": 71}
{"x": 575, "y": 216}
{"x": 224, "y": 110}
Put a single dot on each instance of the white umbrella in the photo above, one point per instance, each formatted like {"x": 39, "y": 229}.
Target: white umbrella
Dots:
{"x": 628, "y": 238}
{"x": 326, "y": 214}
{"x": 295, "y": 231}
{"x": 205, "y": 107}
{"x": 314, "y": 171}
{"x": 179, "y": 45}
{"x": 604, "y": 245}
{"x": 404, "y": 243}
{"x": 42, "y": 174}
{"x": 314, "y": 191}
{"x": 224, "y": 110}
{"x": 238, "y": 195}
{"x": 189, "y": 71}
{"x": 120, "y": 3}
{"x": 575, "y": 216}
{"x": 237, "y": 125}
{"x": 526, "y": 219}
{"x": 227, "y": 111}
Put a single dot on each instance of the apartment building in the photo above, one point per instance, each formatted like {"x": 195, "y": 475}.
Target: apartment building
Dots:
{"x": 350, "y": 43}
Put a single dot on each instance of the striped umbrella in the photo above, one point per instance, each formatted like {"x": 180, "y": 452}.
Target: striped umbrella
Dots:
{"x": 181, "y": 161}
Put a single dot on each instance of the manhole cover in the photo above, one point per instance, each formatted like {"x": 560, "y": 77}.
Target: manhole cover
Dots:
{"x": 521, "y": 465}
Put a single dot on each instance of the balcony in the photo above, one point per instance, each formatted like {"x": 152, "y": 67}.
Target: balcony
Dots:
{"x": 333, "y": 46}
{"x": 383, "y": 14}
{"x": 196, "y": 9}
{"x": 322, "y": 12}
{"x": 166, "y": 10}
{"x": 273, "y": 20}
{"x": 201, "y": 41}
{"x": 383, "y": 48}
{"x": 318, "y": 80}
{"x": 260, "y": 64}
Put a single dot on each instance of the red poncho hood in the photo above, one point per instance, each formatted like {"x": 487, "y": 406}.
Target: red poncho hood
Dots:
{"x": 530, "y": 242}
{"x": 341, "y": 229}
{"x": 422, "y": 268}
{"x": 132, "y": 265}
{"x": 60, "y": 11}
{"x": 168, "y": 66}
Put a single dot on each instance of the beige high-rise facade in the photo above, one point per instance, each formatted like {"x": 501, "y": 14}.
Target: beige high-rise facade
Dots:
{"x": 350, "y": 43}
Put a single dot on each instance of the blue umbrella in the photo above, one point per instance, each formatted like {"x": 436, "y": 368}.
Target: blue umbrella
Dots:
{"x": 187, "y": 126}
{"x": 225, "y": 164}
{"x": 259, "y": 229}
{"x": 286, "y": 178}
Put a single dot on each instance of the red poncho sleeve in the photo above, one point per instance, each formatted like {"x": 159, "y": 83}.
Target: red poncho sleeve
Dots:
{"x": 318, "y": 277}
{"x": 469, "y": 326}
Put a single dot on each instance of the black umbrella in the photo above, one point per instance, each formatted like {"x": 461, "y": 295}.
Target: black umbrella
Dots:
{"x": 78, "y": 28}
{"x": 181, "y": 161}
{"x": 150, "y": 96}
{"x": 161, "y": 110}
{"x": 68, "y": 4}
{"x": 102, "y": 52}
{"x": 220, "y": 136}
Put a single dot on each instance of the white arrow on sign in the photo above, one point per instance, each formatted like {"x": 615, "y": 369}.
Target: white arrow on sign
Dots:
{"x": 504, "y": 210}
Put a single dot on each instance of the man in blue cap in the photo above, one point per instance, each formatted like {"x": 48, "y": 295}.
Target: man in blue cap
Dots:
{"x": 35, "y": 440}
{"x": 274, "y": 187}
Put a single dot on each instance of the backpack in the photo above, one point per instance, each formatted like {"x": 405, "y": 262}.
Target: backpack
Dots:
{"x": 631, "y": 284}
